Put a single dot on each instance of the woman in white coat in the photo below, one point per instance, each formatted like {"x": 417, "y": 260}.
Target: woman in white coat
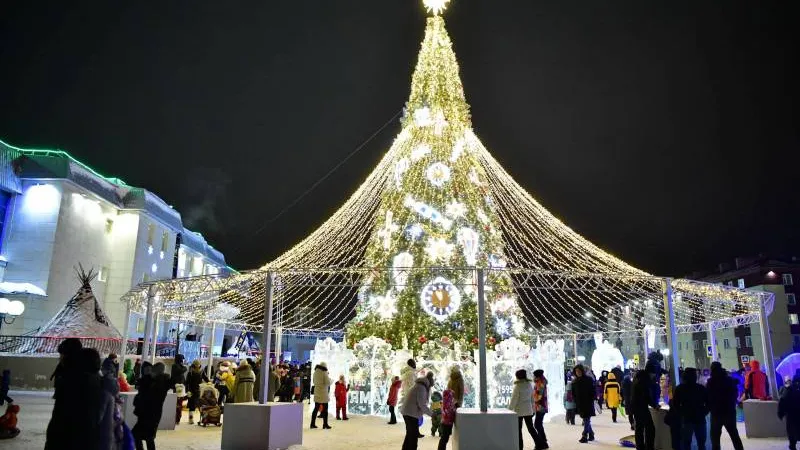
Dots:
{"x": 522, "y": 404}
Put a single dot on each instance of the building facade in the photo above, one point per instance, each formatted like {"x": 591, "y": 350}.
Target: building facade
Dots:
{"x": 59, "y": 213}
{"x": 736, "y": 346}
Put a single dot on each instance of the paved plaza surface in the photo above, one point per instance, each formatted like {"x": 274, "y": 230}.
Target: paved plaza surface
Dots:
{"x": 360, "y": 432}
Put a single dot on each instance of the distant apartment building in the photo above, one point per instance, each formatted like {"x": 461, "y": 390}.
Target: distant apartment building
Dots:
{"x": 737, "y": 345}
{"x": 58, "y": 213}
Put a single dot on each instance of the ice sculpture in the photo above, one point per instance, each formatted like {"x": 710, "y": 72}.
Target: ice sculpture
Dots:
{"x": 605, "y": 356}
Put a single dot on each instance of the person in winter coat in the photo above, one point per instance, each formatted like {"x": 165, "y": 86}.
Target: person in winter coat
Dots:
{"x": 394, "y": 391}
{"x": 274, "y": 384}
{"x": 415, "y": 405}
{"x": 583, "y": 393}
{"x": 122, "y": 381}
{"x": 178, "y": 372}
{"x": 755, "y": 384}
{"x": 627, "y": 391}
{"x": 689, "y": 408}
{"x": 612, "y": 395}
{"x": 194, "y": 378}
{"x": 69, "y": 347}
{"x": 522, "y": 403}
{"x": 110, "y": 371}
{"x": 340, "y": 392}
{"x": 723, "y": 395}
{"x": 569, "y": 402}
{"x": 149, "y": 403}
{"x": 223, "y": 382}
{"x": 83, "y": 412}
{"x": 452, "y": 397}
{"x": 408, "y": 376}
{"x": 642, "y": 399}
{"x": 789, "y": 407}
{"x": 540, "y": 407}
{"x": 243, "y": 386}
{"x": 322, "y": 386}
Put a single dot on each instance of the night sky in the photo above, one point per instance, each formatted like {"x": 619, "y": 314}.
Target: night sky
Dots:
{"x": 666, "y": 132}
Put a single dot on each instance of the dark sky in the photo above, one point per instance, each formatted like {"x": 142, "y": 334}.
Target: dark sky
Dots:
{"x": 666, "y": 132}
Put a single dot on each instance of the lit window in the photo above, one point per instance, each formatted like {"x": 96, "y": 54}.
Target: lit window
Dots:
{"x": 154, "y": 268}
{"x": 793, "y": 319}
{"x": 102, "y": 274}
{"x": 729, "y": 283}
{"x": 164, "y": 242}
{"x": 151, "y": 234}
{"x": 787, "y": 279}
{"x": 145, "y": 277}
{"x": 140, "y": 325}
{"x": 705, "y": 343}
{"x": 697, "y": 345}
{"x": 740, "y": 283}
{"x": 748, "y": 342}
{"x": 790, "y": 299}
{"x": 726, "y": 344}
{"x": 109, "y": 226}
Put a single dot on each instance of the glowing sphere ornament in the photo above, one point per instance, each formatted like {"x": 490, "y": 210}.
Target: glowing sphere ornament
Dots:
{"x": 440, "y": 298}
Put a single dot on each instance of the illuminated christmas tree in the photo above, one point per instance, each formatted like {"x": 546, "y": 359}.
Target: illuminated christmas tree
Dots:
{"x": 435, "y": 220}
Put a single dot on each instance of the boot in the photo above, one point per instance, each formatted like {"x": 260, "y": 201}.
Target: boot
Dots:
{"x": 583, "y": 439}
{"x": 191, "y": 419}
{"x": 591, "y": 437}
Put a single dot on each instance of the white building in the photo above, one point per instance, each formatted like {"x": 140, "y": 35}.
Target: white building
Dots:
{"x": 59, "y": 213}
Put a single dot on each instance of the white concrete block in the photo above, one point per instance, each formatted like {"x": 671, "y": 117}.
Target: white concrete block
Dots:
{"x": 167, "y": 412}
{"x": 252, "y": 426}
{"x": 761, "y": 419}
{"x": 496, "y": 429}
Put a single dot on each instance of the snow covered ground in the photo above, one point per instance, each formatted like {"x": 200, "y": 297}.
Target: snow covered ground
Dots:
{"x": 360, "y": 432}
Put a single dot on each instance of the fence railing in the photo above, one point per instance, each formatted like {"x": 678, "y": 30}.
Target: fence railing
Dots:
{"x": 49, "y": 345}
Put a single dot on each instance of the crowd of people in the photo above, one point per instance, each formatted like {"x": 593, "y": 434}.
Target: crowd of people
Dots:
{"x": 713, "y": 393}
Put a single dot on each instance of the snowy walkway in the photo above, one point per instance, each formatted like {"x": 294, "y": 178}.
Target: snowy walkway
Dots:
{"x": 362, "y": 433}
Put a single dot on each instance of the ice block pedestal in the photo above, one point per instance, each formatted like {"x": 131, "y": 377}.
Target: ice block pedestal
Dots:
{"x": 495, "y": 429}
{"x": 253, "y": 426}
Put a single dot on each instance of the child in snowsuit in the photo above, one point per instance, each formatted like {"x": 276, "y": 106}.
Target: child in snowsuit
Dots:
{"x": 8, "y": 422}
{"x": 436, "y": 407}
{"x": 340, "y": 392}
{"x": 569, "y": 403}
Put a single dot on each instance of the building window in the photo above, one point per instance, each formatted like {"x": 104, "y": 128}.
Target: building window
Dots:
{"x": 697, "y": 345}
{"x": 726, "y": 344}
{"x": 787, "y": 279}
{"x": 102, "y": 274}
{"x": 679, "y": 345}
{"x": 740, "y": 283}
{"x": 145, "y": 277}
{"x": 164, "y": 242}
{"x": 140, "y": 325}
{"x": 151, "y": 234}
{"x": 738, "y": 343}
{"x": 729, "y": 283}
{"x": 790, "y": 299}
{"x": 793, "y": 319}
{"x": 748, "y": 342}
{"x": 109, "y": 226}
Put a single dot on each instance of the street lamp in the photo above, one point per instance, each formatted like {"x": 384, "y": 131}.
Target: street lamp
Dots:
{"x": 10, "y": 308}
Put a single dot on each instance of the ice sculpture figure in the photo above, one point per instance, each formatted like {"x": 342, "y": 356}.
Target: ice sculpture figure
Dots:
{"x": 550, "y": 357}
{"x": 335, "y": 355}
{"x": 605, "y": 356}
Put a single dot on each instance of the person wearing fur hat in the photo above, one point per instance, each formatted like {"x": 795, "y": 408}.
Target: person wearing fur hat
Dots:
{"x": 243, "y": 386}
{"x": 408, "y": 377}
{"x": 415, "y": 405}
{"x": 321, "y": 390}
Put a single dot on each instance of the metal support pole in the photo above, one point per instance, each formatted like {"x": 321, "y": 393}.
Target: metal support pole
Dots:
{"x": 123, "y": 346}
{"x": 279, "y": 344}
{"x": 210, "y": 366}
{"x": 712, "y": 342}
{"x": 155, "y": 338}
{"x": 575, "y": 347}
{"x": 766, "y": 346}
{"x": 265, "y": 345}
{"x": 482, "y": 389}
{"x": 148, "y": 323}
{"x": 672, "y": 335}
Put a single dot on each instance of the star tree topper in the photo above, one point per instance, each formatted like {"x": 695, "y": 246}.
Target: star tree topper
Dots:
{"x": 435, "y": 6}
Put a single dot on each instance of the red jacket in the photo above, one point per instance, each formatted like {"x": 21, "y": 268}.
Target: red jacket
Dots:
{"x": 393, "y": 391}
{"x": 755, "y": 383}
{"x": 340, "y": 392}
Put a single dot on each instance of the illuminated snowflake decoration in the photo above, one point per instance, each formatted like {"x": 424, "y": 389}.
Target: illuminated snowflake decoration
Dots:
{"x": 400, "y": 168}
{"x": 428, "y": 212}
{"x": 439, "y": 249}
{"x": 502, "y": 305}
{"x": 517, "y": 325}
{"x": 420, "y": 152}
{"x": 496, "y": 262}
{"x": 502, "y": 327}
{"x": 455, "y": 209}
{"x": 435, "y": 7}
{"x": 438, "y": 174}
{"x": 422, "y": 117}
{"x": 387, "y": 305}
{"x": 439, "y": 123}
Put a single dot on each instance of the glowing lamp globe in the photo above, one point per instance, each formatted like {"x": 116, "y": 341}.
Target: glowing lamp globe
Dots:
{"x": 11, "y": 307}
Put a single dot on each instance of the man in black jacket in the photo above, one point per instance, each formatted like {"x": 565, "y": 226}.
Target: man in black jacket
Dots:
{"x": 642, "y": 400}
{"x": 583, "y": 392}
{"x": 722, "y": 398}
{"x": 690, "y": 407}
{"x": 627, "y": 389}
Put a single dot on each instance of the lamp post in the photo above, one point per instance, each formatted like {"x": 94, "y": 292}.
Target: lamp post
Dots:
{"x": 10, "y": 308}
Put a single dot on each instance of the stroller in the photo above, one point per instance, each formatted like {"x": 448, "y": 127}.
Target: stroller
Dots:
{"x": 210, "y": 412}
